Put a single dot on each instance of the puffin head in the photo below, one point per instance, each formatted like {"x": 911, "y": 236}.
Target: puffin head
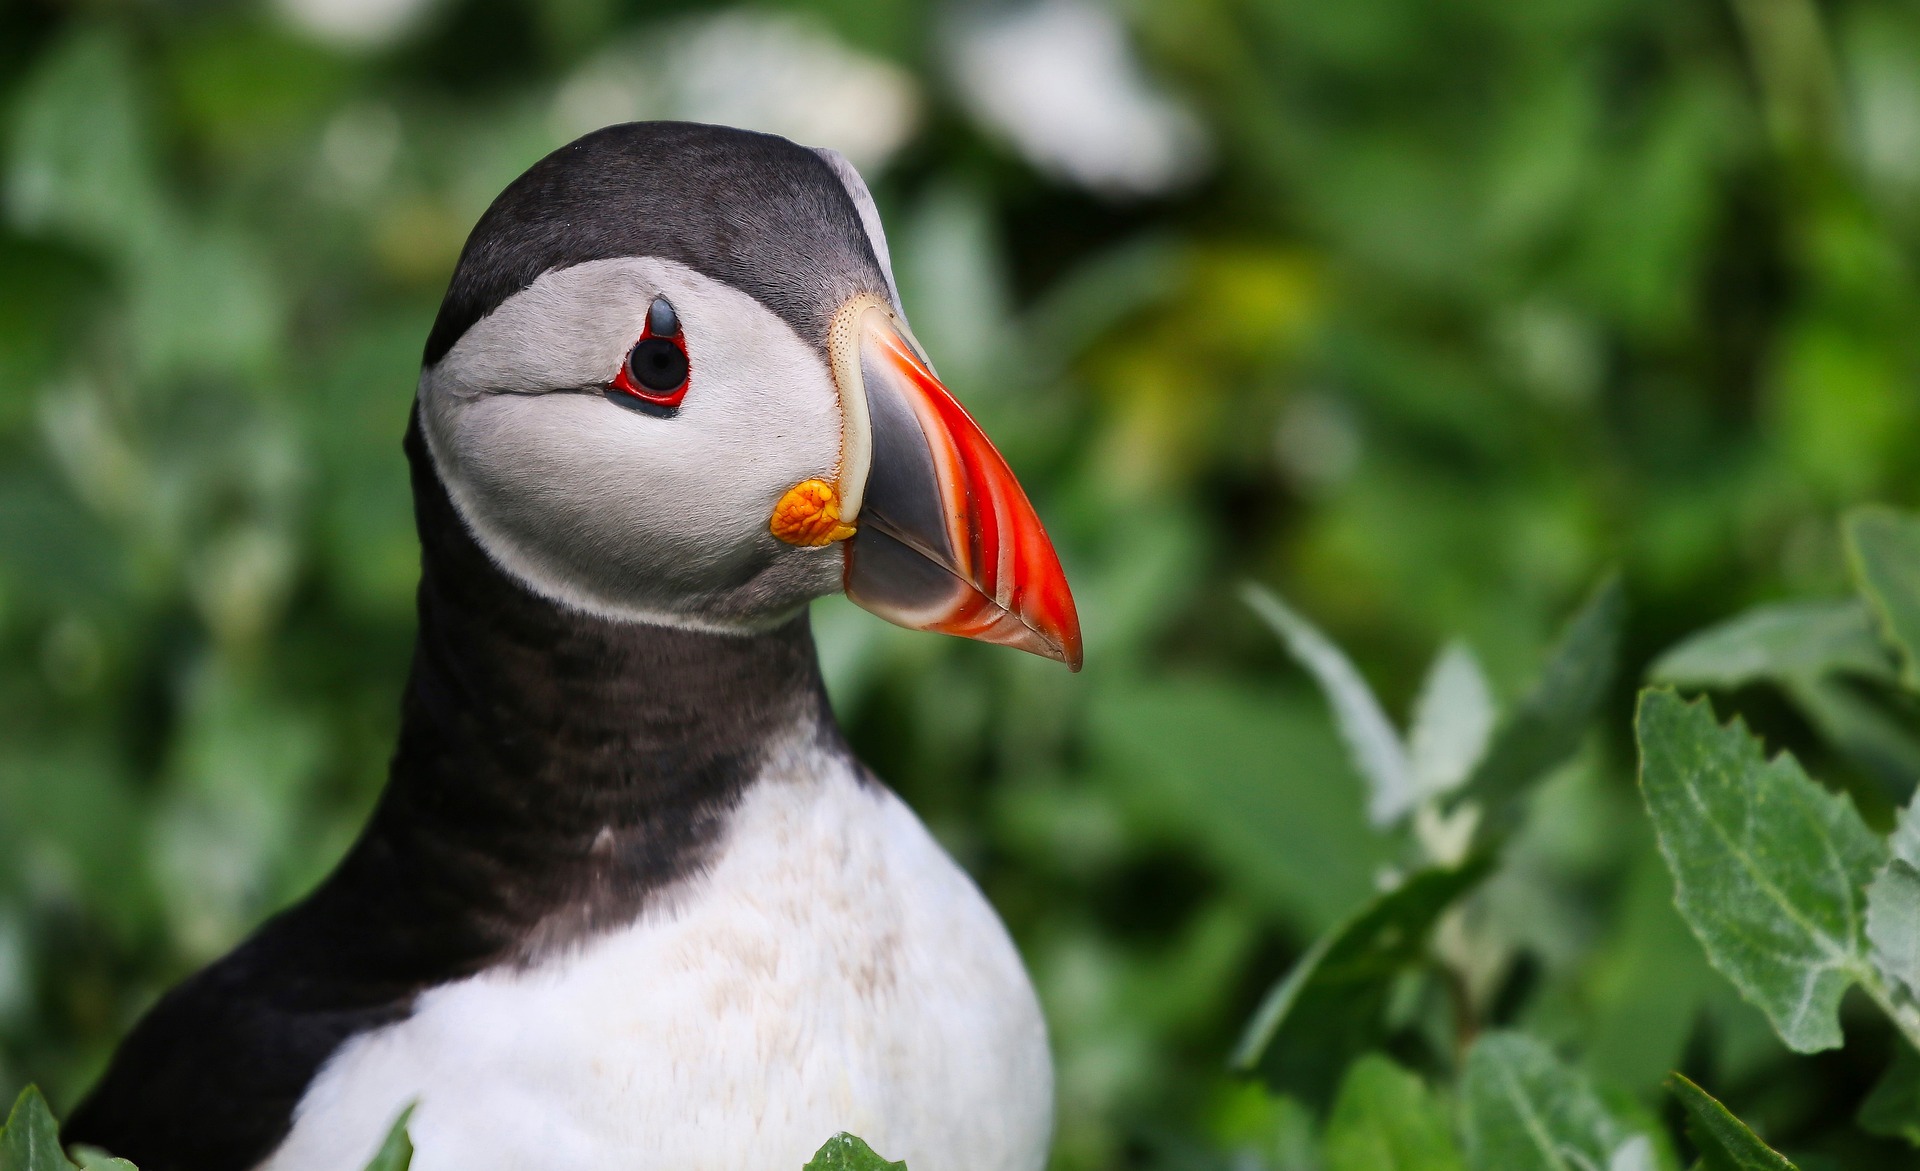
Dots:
{"x": 671, "y": 383}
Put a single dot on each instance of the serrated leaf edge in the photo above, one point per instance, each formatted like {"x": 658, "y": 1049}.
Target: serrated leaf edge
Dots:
{"x": 1858, "y": 966}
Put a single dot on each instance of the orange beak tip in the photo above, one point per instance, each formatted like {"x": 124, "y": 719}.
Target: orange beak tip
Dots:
{"x": 948, "y": 540}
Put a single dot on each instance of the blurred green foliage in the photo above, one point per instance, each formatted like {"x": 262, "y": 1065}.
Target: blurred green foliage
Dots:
{"x": 1477, "y": 299}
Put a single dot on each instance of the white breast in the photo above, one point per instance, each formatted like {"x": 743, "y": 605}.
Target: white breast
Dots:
{"x": 833, "y": 970}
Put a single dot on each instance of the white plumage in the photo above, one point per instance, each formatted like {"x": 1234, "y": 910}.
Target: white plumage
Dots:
{"x": 833, "y": 969}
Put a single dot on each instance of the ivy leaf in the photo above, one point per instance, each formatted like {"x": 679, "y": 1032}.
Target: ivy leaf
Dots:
{"x": 1452, "y": 719}
{"x": 31, "y": 1140}
{"x": 1724, "y": 1142}
{"x": 1547, "y": 725}
{"x": 1385, "y": 1119}
{"x": 1375, "y": 747}
{"x": 396, "y": 1153}
{"x": 1524, "y": 1110}
{"x": 844, "y": 1152}
{"x": 1331, "y": 1006}
{"x": 1769, "y": 868}
{"x": 1884, "y": 547}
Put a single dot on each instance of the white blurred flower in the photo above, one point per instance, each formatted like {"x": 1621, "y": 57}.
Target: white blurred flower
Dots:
{"x": 1317, "y": 444}
{"x": 1886, "y": 103}
{"x": 609, "y": 89}
{"x": 355, "y": 24}
{"x": 1059, "y": 80}
{"x": 359, "y": 147}
{"x": 759, "y": 71}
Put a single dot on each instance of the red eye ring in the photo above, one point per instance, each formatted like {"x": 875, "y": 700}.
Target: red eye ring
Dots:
{"x": 656, "y": 368}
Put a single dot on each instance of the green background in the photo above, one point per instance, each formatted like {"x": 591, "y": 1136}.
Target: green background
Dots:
{"x": 1472, "y": 300}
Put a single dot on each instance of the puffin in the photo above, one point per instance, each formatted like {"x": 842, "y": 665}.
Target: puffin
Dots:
{"x": 628, "y": 899}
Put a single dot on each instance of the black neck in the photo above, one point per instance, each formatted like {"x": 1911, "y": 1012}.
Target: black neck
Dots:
{"x": 554, "y": 771}
{"x": 553, "y": 768}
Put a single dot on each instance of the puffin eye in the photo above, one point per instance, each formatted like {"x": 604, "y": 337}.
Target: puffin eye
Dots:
{"x": 658, "y": 365}
{"x": 656, "y": 368}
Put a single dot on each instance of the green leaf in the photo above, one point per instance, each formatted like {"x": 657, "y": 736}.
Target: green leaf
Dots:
{"x": 1904, "y": 841}
{"x": 1452, "y": 719}
{"x": 1646, "y": 982}
{"x": 1816, "y": 652}
{"x": 1251, "y": 779}
{"x": 1785, "y": 642}
{"x": 1769, "y": 868}
{"x": 1893, "y": 904}
{"x": 1331, "y": 1006}
{"x": 81, "y": 163}
{"x": 1547, "y": 725}
{"x": 844, "y": 1152}
{"x": 1377, "y": 753}
{"x": 31, "y": 1140}
{"x": 1893, "y": 1108}
{"x": 1386, "y": 1120}
{"x": 1848, "y": 717}
{"x": 396, "y": 1153}
{"x": 1884, "y": 547}
{"x": 1724, "y": 1142}
{"x": 1893, "y": 922}
{"x": 1523, "y": 1110}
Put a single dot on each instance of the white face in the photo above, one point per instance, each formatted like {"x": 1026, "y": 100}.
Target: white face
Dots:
{"x": 623, "y": 510}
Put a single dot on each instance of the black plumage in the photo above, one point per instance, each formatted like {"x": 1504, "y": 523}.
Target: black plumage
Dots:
{"x": 753, "y": 211}
{"x": 553, "y": 769}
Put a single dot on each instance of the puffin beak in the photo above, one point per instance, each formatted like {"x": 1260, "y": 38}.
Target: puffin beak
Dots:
{"x": 945, "y": 538}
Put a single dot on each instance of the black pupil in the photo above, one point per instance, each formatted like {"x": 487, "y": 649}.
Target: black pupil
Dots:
{"x": 658, "y": 364}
